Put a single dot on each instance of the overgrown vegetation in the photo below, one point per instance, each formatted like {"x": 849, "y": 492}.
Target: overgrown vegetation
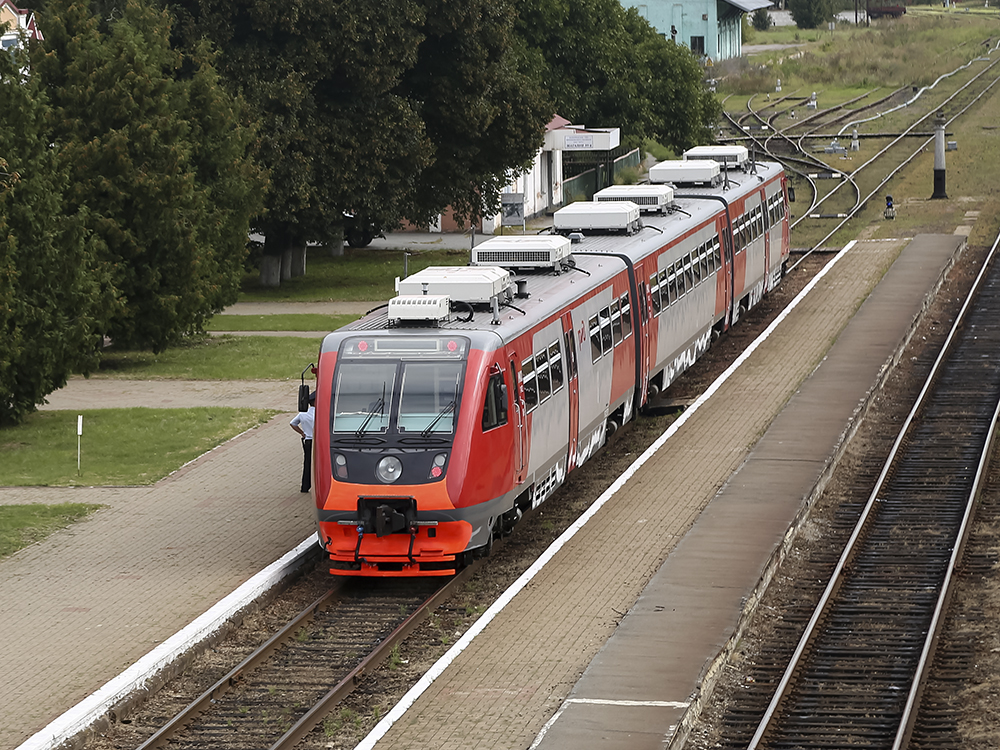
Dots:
{"x": 910, "y": 51}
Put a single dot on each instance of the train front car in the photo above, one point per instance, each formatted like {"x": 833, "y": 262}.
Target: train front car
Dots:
{"x": 405, "y": 398}
{"x": 388, "y": 474}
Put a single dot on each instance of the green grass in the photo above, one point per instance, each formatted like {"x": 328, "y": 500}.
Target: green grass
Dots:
{"x": 364, "y": 274}
{"x": 23, "y": 525}
{"x": 910, "y": 51}
{"x": 216, "y": 358}
{"x": 287, "y": 322}
{"x": 118, "y": 446}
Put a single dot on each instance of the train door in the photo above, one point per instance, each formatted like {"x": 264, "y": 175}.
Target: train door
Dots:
{"x": 520, "y": 422}
{"x": 726, "y": 232}
{"x": 572, "y": 378}
{"x": 642, "y": 333}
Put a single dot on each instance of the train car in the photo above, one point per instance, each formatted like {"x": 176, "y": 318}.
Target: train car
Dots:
{"x": 465, "y": 401}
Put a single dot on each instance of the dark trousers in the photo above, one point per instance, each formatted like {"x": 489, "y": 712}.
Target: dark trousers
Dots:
{"x": 307, "y": 452}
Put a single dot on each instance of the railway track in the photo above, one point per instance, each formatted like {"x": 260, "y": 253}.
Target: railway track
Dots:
{"x": 838, "y": 190}
{"x": 289, "y": 685}
{"x": 861, "y": 656}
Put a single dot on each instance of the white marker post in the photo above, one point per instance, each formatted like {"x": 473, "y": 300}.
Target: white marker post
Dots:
{"x": 79, "y": 435}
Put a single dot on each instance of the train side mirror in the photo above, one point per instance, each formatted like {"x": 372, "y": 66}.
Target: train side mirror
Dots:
{"x": 303, "y": 397}
{"x": 791, "y": 194}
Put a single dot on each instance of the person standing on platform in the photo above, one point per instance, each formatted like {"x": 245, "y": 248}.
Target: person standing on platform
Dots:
{"x": 303, "y": 423}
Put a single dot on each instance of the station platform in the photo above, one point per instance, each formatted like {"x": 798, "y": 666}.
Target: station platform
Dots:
{"x": 678, "y": 543}
{"x": 681, "y": 541}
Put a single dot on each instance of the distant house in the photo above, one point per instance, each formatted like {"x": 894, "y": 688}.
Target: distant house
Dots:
{"x": 709, "y": 28}
{"x": 14, "y": 23}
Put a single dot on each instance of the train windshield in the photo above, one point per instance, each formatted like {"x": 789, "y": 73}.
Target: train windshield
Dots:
{"x": 398, "y": 390}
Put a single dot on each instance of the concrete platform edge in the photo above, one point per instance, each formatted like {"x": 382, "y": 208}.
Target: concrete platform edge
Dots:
{"x": 77, "y": 726}
{"x": 713, "y": 670}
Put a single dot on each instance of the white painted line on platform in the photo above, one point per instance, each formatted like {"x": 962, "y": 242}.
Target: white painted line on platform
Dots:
{"x": 88, "y": 711}
{"x": 487, "y": 617}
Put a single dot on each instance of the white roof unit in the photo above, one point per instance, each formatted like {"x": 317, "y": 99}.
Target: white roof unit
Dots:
{"x": 617, "y": 216}
{"x": 649, "y": 198}
{"x": 419, "y": 307}
{"x": 730, "y": 156}
{"x": 465, "y": 283}
{"x": 680, "y": 172}
{"x": 539, "y": 251}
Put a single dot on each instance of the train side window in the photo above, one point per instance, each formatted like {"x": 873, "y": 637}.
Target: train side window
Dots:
{"x": 555, "y": 366}
{"x": 568, "y": 340}
{"x": 542, "y": 375}
{"x": 716, "y": 257}
{"x": 607, "y": 340}
{"x": 626, "y": 315}
{"x": 595, "y": 338}
{"x": 530, "y": 383}
{"x": 689, "y": 273}
{"x": 495, "y": 407}
{"x": 616, "y": 322}
{"x": 694, "y": 268}
{"x": 703, "y": 258}
{"x": 654, "y": 293}
{"x": 676, "y": 289}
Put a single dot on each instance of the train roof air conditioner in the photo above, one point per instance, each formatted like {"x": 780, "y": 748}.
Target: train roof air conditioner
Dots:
{"x": 598, "y": 216}
{"x": 472, "y": 284}
{"x": 686, "y": 172}
{"x": 649, "y": 198}
{"x": 540, "y": 251}
{"x": 732, "y": 157}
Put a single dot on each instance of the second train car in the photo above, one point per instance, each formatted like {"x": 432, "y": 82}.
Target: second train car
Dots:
{"x": 465, "y": 401}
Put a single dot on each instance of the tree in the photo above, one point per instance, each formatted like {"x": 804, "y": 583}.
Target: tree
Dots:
{"x": 810, "y": 14}
{"x": 607, "y": 67}
{"x": 48, "y": 277}
{"x": 760, "y": 19}
{"x": 158, "y": 165}
{"x": 381, "y": 110}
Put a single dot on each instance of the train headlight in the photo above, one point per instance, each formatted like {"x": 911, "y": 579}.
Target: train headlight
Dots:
{"x": 437, "y": 467}
{"x": 388, "y": 470}
{"x": 339, "y": 466}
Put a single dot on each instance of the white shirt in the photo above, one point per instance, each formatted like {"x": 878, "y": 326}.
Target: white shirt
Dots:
{"x": 305, "y": 420}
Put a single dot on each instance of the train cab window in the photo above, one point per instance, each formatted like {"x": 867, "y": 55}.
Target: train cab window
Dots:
{"x": 626, "y": 309}
{"x": 555, "y": 366}
{"x": 530, "y": 383}
{"x": 616, "y": 322}
{"x": 607, "y": 340}
{"x": 595, "y": 338}
{"x": 495, "y": 406}
{"x": 655, "y": 293}
{"x": 542, "y": 375}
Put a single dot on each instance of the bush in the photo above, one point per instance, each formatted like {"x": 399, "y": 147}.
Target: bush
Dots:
{"x": 760, "y": 19}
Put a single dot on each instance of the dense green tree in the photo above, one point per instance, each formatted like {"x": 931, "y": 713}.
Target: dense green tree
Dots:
{"x": 380, "y": 110}
{"x": 605, "y": 66}
{"x": 158, "y": 166}
{"x": 48, "y": 277}
{"x": 482, "y": 105}
{"x": 810, "y": 14}
{"x": 681, "y": 107}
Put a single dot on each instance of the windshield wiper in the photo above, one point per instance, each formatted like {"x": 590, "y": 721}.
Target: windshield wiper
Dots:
{"x": 377, "y": 408}
{"x": 450, "y": 407}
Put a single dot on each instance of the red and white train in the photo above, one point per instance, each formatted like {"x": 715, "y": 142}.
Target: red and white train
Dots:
{"x": 443, "y": 416}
